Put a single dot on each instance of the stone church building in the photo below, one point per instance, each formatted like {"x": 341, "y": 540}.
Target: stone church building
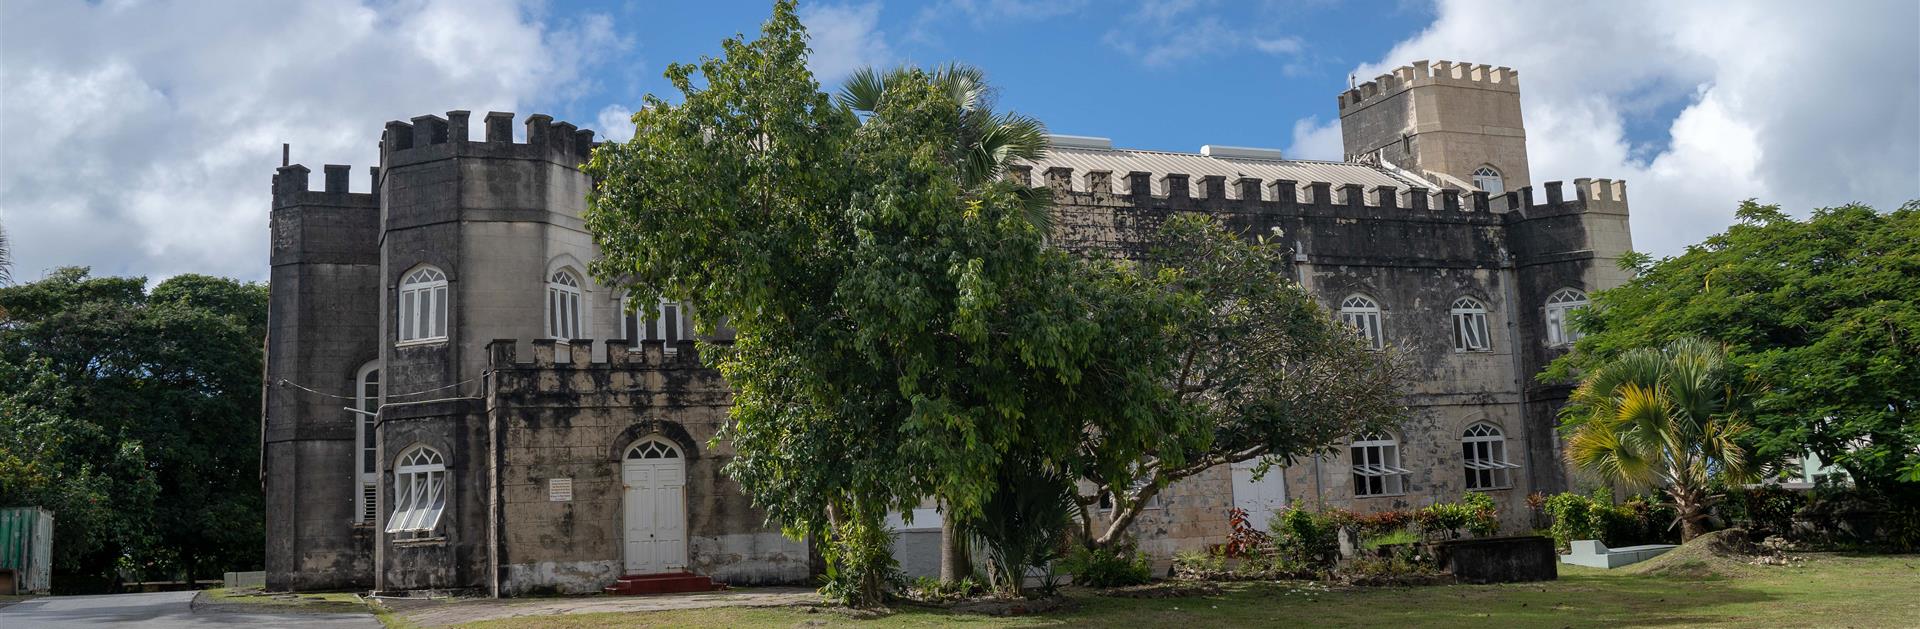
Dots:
{"x": 454, "y": 404}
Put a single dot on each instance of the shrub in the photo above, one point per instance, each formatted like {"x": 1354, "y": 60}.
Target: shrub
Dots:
{"x": 1402, "y": 536}
{"x": 1763, "y": 511}
{"x": 1577, "y": 517}
{"x": 1306, "y": 540}
{"x": 1476, "y": 513}
{"x": 1107, "y": 567}
{"x": 1199, "y": 564}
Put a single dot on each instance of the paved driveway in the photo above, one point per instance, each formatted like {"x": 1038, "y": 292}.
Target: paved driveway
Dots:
{"x": 162, "y": 610}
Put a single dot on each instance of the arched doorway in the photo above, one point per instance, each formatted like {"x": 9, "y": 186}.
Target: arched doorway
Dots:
{"x": 654, "y": 475}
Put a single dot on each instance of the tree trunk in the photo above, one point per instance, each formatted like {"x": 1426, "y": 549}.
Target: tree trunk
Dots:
{"x": 1691, "y": 510}
{"x": 956, "y": 560}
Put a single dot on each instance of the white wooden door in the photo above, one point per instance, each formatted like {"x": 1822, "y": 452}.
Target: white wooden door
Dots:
{"x": 1260, "y": 498}
{"x": 655, "y": 513}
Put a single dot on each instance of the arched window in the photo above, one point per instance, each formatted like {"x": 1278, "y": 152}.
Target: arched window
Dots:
{"x": 1376, "y": 466}
{"x": 563, "y": 305}
{"x": 1484, "y": 452}
{"x": 663, "y": 320}
{"x": 419, "y": 491}
{"x": 1563, "y": 302}
{"x": 1470, "y": 326}
{"x": 1363, "y": 313}
{"x": 423, "y": 306}
{"x": 653, "y": 449}
{"x": 366, "y": 464}
{"x": 1488, "y": 179}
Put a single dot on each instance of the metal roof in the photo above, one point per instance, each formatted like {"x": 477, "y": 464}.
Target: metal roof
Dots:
{"x": 1122, "y": 161}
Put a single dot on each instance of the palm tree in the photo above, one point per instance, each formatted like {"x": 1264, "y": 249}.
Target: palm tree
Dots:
{"x": 987, "y": 144}
{"x": 988, "y": 141}
{"x": 1666, "y": 418}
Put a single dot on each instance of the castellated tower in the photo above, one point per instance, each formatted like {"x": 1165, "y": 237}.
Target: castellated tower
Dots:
{"x": 1458, "y": 123}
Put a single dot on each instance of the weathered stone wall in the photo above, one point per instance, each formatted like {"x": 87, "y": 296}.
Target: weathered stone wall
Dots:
{"x": 575, "y": 419}
{"x": 322, "y": 326}
{"x": 1443, "y": 117}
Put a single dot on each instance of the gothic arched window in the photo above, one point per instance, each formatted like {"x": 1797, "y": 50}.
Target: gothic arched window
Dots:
{"x": 1470, "y": 326}
{"x": 1560, "y": 330}
{"x": 366, "y": 465}
{"x": 1363, "y": 313}
{"x": 419, "y": 490}
{"x": 1483, "y": 450}
{"x": 563, "y": 305}
{"x": 1376, "y": 466}
{"x": 1488, "y": 179}
{"x": 423, "y": 306}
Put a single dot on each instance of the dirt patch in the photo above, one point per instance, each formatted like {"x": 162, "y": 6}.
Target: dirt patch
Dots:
{"x": 1719, "y": 554}
{"x": 1165, "y": 589}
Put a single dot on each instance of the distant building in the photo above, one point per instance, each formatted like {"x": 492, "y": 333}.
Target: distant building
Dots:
{"x": 448, "y": 421}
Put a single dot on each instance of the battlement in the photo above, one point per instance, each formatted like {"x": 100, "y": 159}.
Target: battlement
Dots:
{"x": 292, "y": 186}
{"x": 430, "y": 136}
{"x": 621, "y": 354}
{"x": 1178, "y": 191}
{"x": 1420, "y": 73}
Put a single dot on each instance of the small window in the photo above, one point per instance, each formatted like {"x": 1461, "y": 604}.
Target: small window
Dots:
{"x": 1363, "y": 313}
{"x": 423, "y": 306}
{"x": 1376, "y": 466}
{"x": 1560, "y": 329}
{"x": 1470, "y": 326}
{"x": 419, "y": 491}
{"x": 563, "y": 305}
{"x": 1484, "y": 452}
{"x": 666, "y": 321}
{"x": 366, "y": 400}
{"x": 1488, "y": 179}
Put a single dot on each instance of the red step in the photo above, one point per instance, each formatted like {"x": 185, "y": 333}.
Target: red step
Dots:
{"x": 664, "y": 583}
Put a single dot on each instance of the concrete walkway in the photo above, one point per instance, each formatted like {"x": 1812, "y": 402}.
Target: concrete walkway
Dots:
{"x": 452, "y": 612}
{"x": 160, "y": 610}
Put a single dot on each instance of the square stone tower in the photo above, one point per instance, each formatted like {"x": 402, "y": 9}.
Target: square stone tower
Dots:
{"x": 1458, "y": 123}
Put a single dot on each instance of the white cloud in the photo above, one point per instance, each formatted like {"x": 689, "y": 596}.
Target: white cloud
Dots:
{"x": 615, "y": 123}
{"x": 844, "y": 38}
{"x": 140, "y": 138}
{"x": 1312, "y": 140}
{"x": 1166, "y": 33}
{"x": 1807, "y": 105}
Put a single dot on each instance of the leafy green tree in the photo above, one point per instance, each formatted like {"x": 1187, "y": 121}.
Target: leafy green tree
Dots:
{"x": 138, "y": 420}
{"x": 897, "y": 331}
{"x": 1668, "y": 418}
{"x": 1261, "y": 371}
{"x": 1825, "y": 310}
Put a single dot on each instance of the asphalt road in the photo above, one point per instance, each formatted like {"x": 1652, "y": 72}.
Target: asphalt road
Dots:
{"x": 162, "y": 610}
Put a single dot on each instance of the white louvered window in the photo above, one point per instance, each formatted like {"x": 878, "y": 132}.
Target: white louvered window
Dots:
{"x": 366, "y": 400}
{"x": 563, "y": 305}
{"x": 1376, "y": 466}
{"x": 419, "y": 491}
{"x": 665, "y": 321}
{"x": 423, "y": 306}
{"x": 1559, "y": 307}
{"x": 1470, "y": 326}
{"x": 1488, "y": 179}
{"x": 1484, "y": 452}
{"x": 1363, "y": 313}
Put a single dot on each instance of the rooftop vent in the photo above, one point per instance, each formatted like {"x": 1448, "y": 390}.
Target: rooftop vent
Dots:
{"x": 1080, "y": 142}
{"x": 1239, "y": 152}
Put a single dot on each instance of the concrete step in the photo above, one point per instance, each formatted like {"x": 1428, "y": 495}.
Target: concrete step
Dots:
{"x": 664, "y": 583}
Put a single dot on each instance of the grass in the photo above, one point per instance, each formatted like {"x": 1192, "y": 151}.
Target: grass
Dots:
{"x": 1826, "y": 590}
{"x": 1402, "y": 536}
{"x": 317, "y": 602}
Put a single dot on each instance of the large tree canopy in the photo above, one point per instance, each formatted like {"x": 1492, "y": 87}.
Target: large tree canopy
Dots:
{"x": 898, "y": 330}
{"x": 134, "y": 415}
{"x": 1825, "y": 312}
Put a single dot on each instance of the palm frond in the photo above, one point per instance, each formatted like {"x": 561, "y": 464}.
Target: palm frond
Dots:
{"x": 862, "y": 90}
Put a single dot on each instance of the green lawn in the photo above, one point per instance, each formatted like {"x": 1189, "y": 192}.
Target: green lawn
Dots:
{"x": 303, "y": 602}
{"x": 1825, "y": 591}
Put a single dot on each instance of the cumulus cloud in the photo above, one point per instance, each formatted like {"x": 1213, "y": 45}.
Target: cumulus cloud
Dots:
{"x": 844, "y": 38}
{"x": 140, "y": 137}
{"x": 1806, "y": 105}
{"x": 615, "y": 123}
{"x": 1313, "y": 140}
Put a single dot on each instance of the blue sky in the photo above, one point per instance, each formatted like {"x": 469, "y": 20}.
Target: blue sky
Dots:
{"x": 138, "y": 136}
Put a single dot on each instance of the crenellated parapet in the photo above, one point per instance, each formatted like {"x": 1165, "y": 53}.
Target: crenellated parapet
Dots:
{"x": 292, "y": 187}
{"x": 578, "y": 354}
{"x": 430, "y": 137}
{"x": 1478, "y": 75}
{"x": 1181, "y": 191}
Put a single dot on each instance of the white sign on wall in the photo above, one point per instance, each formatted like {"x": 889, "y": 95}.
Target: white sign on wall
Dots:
{"x": 560, "y": 489}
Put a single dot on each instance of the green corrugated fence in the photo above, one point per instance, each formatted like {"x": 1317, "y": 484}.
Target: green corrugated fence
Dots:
{"x": 26, "y": 547}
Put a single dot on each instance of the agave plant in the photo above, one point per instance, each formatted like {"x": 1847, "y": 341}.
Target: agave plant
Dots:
{"x": 1667, "y": 418}
{"x": 988, "y": 141}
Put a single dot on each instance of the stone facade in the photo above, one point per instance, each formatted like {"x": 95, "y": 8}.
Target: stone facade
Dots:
{"x": 537, "y": 438}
